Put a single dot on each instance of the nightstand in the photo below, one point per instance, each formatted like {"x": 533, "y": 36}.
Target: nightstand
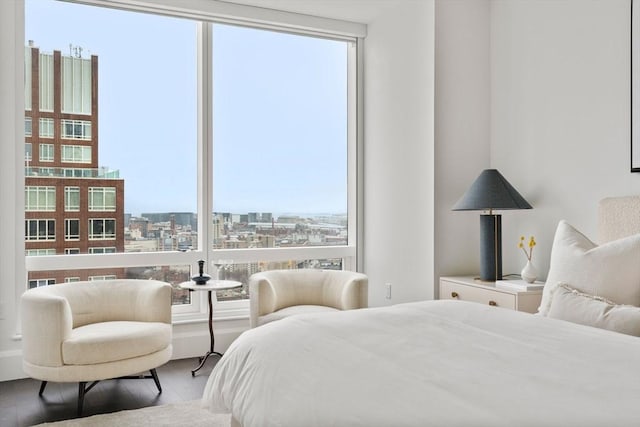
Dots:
{"x": 466, "y": 288}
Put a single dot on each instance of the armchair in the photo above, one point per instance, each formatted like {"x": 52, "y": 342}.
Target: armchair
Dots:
{"x": 91, "y": 331}
{"x": 277, "y": 294}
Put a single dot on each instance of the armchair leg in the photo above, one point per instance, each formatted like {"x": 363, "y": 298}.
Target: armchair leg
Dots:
{"x": 154, "y": 375}
{"x": 81, "y": 391}
{"x": 43, "y": 384}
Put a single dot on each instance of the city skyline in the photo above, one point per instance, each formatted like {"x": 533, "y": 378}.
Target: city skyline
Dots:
{"x": 269, "y": 164}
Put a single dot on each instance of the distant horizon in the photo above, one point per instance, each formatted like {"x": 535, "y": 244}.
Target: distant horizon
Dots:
{"x": 275, "y": 214}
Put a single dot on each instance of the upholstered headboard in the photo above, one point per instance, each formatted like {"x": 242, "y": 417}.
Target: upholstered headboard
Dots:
{"x": 618, "y": 217}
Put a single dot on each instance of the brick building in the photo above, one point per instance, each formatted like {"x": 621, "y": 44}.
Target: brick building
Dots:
{"x": 72, "y": 205}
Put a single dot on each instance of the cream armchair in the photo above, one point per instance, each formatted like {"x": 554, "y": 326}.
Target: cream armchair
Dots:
{"x": 280, "y": 293}
{"x": 91, "y": 331}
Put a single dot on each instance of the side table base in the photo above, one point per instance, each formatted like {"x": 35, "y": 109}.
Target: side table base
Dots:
{"x": 203, "y": 359}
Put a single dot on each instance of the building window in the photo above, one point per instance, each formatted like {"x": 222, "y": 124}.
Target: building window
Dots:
{"x": 76, "y": 154}
{"x": 106, "y": 250}
{"x": 76, "y": 129}
{"x": 40, "y": 199}
{"x": 46, "y": 153}
{"x": 28, "y": 151}
{"x": 46, "y": 82}
{"x": 46, "y": 128}
{"x": 41, "y": 282}
{"x": 71, "y": 279}
{"x": 28, "y": 126}
{"x": 104, "y": 277}
{"x": 76, "y": 85}
{"x": 71, "y": 251}
{"x": 71, "y": 229}
{"x": 40, "y": 230}
{"x": 72, "y": 199}
{"x": 102, "y": 199}
{"x": 102, "y": 229}
{"x": 40, "y": 252}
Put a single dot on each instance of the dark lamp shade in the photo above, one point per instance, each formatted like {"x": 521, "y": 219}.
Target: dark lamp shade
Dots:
{"x": 491, "y": 191}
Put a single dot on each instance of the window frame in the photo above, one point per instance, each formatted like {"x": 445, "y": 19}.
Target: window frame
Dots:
{"x": 41, "y": 191}
{"x": 102, "y": 191}
{"x": 50, "y": 223}
{"x": 83, "y": 150}
{"x": 68, "y": 236}
{"x": 48, "y": 149}
{"x": 255, "y": 17}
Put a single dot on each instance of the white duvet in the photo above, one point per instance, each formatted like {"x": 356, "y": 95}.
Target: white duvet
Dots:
{"x": 433, "y": 363}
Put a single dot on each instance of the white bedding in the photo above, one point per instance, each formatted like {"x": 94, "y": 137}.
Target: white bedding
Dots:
{"x": 432, "y": 363}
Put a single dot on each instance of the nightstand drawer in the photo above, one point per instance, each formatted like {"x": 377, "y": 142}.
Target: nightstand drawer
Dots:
{"x": 451, "y": 290}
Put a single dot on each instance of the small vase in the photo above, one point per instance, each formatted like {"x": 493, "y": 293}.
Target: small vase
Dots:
{"x": 529, "y": 273}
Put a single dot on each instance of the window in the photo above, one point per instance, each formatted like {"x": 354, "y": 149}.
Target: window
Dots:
{"x": 102, "y": 199}
{"x": 40, "y": 252}
{"x": 71, "y": 229}
{"x": 46, "y": 128}
{"x": 76, "y": 129}
{"x": 40, "y": 199}
{"x": 28, "y": 126}
{"x": 71, "y": 251}
{"x": 40, "y": 229}
{"x": 76, "y": 154}
{"x": 103, "y": 277}
{"x": 71, "y": 199}
{"x": 41, "y": 282}
{"x": 102, "y": 229}
{"x": 71, "y": 279}
{"x": 105, "y": 250}
{"x": 276, "y": 113}
{"x": 46, "y": 81}
{"x": 28, "y": 151}
{"x": 76, "y": 85}
{"x": 46, "y": 152}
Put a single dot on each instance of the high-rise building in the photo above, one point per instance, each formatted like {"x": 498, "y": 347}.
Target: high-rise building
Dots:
{"x": 72, "y": 205}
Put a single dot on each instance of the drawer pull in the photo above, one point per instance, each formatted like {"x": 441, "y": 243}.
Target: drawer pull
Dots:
{"x": 454, "y": 295}
{"x": 493, "y": 303}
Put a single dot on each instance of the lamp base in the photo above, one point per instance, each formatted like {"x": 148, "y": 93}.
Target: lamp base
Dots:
{"x": 490, "y": 248}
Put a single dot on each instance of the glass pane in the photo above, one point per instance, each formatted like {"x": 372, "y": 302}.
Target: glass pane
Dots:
{"x": 280, "y": 139}
{"x": 142, "y": 138}
{"x": 174, "y": 274}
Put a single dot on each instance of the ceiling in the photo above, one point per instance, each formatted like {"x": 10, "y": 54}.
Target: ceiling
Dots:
{"x": 362, "y": 11}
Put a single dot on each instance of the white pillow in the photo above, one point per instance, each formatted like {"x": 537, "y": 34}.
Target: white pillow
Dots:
{"x": 611, "y": 270}
{"x": 577, "y": 307}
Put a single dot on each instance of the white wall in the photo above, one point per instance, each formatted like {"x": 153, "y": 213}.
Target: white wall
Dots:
{"x": 398, "y": 153}
{"x": 560, "y": 116}
{"x": 11, "y": 224}
{"x": 462, "y": 128}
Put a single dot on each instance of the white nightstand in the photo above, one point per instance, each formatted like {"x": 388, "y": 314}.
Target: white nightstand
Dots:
{"x": 466, "y": 288}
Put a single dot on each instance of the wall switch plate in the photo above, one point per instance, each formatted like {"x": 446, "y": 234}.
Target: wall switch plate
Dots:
{"x": 388, "y": 287}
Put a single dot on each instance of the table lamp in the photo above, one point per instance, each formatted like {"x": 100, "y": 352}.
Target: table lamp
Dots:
{"x": 489, "y": 192}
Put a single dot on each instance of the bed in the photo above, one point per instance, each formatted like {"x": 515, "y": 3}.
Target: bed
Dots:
{"x": 455, "y": 363}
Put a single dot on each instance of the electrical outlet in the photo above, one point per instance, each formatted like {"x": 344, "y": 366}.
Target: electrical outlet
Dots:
{"x": 388, "y": 286}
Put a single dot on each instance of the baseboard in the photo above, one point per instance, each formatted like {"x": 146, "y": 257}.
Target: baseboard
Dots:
{"x": 189, "y": 340}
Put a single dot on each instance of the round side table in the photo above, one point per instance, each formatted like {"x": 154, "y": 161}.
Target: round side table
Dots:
{"x": 210, "y": 286}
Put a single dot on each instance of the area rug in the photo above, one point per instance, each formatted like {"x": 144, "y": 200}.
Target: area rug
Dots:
{"x": 183, "y": 414}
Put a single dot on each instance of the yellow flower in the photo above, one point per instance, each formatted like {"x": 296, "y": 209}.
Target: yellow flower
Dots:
{"x": 532, "y": 243}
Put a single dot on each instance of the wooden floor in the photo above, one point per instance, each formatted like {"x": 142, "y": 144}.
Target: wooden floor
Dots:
{"x": 20, "y": 404}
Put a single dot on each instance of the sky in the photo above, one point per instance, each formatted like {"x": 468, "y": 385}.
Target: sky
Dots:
{"x": 280, "y": 118}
